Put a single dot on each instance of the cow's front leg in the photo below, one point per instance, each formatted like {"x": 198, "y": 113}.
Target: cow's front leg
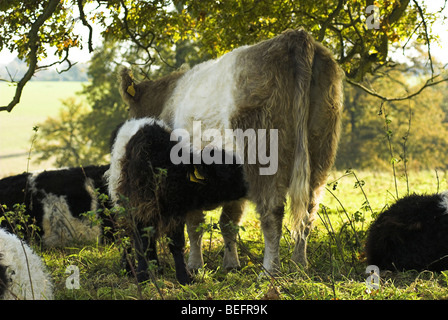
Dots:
{"x": 146, "y": 251}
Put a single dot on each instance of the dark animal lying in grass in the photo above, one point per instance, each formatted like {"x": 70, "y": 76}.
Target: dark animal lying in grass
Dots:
{"x": 159, "y": 193}
{"x": 411, "y": 235}
{"x": 54, "y": 201}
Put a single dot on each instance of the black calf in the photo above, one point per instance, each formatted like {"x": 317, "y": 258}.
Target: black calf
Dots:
{"x": 159, "y": 193}
{"x": 411, "y": 234}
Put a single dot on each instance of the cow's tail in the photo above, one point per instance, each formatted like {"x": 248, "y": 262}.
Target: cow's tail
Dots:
{"x": 301, "y": 48}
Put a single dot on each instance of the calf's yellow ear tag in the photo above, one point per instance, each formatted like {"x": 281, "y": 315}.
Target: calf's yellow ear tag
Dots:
{"x": 131, "y": 89}
{"x": 196, "y": 176}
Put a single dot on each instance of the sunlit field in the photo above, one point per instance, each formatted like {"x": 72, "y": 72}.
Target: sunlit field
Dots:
{"x": 40, "y": 99}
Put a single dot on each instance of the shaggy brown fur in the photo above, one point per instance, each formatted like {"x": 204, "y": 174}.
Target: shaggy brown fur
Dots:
{"x": 142, "y": 184}
{"x": 159, "y": 194}
{"x": 154, "y": 91}
{"x": 290, "y": 83}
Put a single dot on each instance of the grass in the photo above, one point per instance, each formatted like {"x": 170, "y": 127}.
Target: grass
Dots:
{"x": 335, "y": 252}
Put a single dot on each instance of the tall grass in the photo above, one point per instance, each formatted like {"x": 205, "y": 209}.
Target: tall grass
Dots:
{"x": 335, "y": 250}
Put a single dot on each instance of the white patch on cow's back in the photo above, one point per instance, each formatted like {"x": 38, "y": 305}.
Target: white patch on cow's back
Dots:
{"x": 32, "y": 180}
{"x": 205, "y": 93}
{"x": 60, "y": 227}
{"x": 125, "y": 133}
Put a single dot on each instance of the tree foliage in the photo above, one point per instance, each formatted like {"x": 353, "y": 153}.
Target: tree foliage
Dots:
{"x": 158, "y": 36}
{"x": 81, "y": 134}
{"x": 32, "y": 28}
{"x": 411, "y": 134}
{"x": 64, "y": 139}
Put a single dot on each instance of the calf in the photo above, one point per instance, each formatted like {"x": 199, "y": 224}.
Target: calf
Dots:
{"x": 23, "y": 275}
{"x": 159, "y": 193}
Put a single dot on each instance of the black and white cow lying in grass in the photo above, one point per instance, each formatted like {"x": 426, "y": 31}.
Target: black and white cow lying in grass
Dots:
{"x": 23, "y": 275}
{"x": 411, "y": 235}
{"x": 158, "y": 194}
{"x": 54, "y": 201}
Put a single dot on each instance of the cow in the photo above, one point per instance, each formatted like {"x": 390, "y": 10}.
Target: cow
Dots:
{"x": 290, "y": 84}
{"x": 411, "y": 234}
{"x": 23, "y": 274}
{"x": 55, "y": 200}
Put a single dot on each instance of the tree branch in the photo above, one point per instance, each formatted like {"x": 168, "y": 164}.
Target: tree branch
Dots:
{"x": 33, "y": 42}
{"x": 150, "y": 60}
{"x": 329, "y": 20}
{"x": 70, "y": 64}
{"x": 429, "y": 83}
{"x": 420, "y": 11}
{"x": 84, "y": 22}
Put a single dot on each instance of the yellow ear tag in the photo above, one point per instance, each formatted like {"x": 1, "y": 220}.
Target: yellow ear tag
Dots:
{"x": 193, "y": 179}
{"x": 131, "y": 89}
{"x": 196, "y": 176}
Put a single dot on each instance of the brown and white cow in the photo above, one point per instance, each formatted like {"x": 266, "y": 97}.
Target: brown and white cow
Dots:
{"x": 290, "y": 83}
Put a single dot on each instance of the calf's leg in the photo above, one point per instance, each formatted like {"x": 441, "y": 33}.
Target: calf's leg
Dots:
{"x": 177, "y": 248}
{"x": 146, "y": 251}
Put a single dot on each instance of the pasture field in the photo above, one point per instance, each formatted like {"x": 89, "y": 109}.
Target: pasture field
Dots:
{"x": 336, "y": 260}
{"x": 40, "y": 99}
{"x": 335, "y": 251}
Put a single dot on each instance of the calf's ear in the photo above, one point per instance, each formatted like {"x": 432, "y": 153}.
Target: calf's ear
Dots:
{"x": 197, "y": 175}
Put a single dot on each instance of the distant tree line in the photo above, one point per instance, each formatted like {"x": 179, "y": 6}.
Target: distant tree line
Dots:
{"x": 16, "y": 69}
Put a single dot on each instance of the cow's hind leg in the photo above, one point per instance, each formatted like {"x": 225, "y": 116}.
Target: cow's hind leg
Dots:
{"x": 299, "y": 255}
{"x": 229, "y": 221}
{"x": 326, "y": 96}
{"x": 271, "y": 224}
{"x": 194, "y": 220}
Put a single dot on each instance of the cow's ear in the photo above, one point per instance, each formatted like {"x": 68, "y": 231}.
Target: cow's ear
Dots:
{"x": 128, "y": 89}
